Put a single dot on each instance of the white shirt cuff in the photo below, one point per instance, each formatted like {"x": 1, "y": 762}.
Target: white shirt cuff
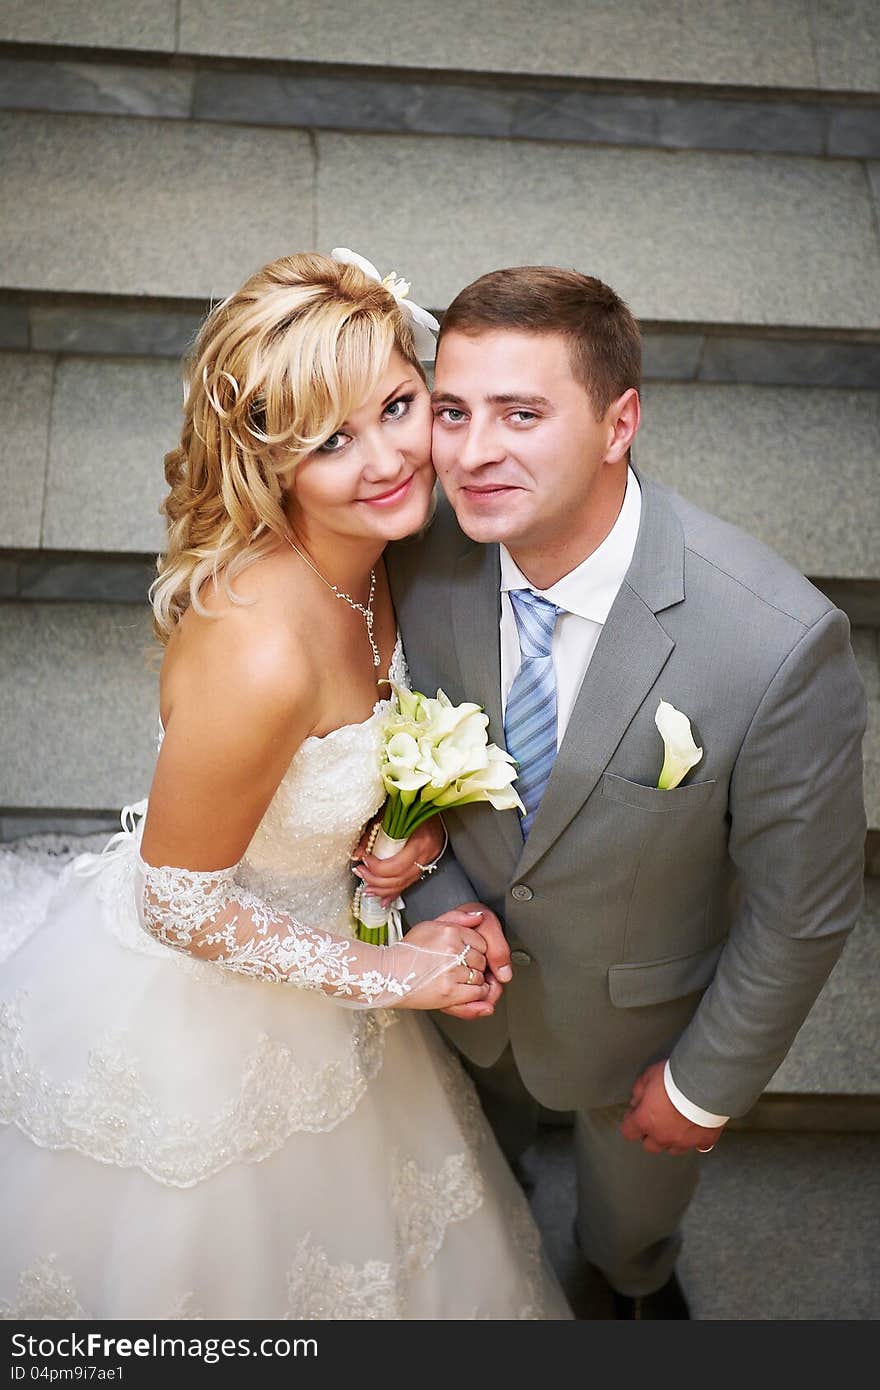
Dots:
{"x": 691, "y": 1112}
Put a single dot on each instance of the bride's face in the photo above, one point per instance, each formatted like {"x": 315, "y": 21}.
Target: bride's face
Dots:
{"x": 373, "y": 477}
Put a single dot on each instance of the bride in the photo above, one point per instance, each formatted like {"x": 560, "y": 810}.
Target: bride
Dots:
{"x": 215, "y": 1102}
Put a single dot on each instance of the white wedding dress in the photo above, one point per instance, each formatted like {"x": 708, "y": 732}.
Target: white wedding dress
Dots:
{"x": 178, "y": 1140}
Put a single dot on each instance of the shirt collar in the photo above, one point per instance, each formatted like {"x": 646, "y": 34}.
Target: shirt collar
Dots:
{"x": 590, "y": 589}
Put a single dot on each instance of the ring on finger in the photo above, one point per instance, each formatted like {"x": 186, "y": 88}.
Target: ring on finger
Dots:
{"x": 471, "y": 975}
{"x": 706, "y": 1151}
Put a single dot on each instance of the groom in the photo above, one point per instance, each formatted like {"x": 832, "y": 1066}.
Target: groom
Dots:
{"x": 666, "y": 945}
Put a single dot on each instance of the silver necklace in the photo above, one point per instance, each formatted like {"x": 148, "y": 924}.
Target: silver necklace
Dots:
{"x": 347, "y": 598}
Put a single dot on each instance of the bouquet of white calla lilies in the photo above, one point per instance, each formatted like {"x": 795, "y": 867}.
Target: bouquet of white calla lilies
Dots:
{"x": 680, "y": 749}
{"x": 434, "y": 755}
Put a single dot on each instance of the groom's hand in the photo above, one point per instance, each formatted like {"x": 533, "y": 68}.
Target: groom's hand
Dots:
{"x": 653, "y": 1121}
{"x": 498, "y": 968}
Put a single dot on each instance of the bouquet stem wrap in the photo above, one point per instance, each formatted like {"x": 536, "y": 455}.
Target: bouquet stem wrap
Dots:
{"x": 381, "y": 926}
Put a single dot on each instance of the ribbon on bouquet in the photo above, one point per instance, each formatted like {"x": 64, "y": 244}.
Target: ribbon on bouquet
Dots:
{"x": 125, "y": 841}
{"x": 368, "y": 908}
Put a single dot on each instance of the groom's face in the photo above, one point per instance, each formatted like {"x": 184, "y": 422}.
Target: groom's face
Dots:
{"x": 516, "y": 442}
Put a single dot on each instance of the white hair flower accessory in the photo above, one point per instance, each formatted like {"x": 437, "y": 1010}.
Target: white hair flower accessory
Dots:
{"x": 424, "y": 324}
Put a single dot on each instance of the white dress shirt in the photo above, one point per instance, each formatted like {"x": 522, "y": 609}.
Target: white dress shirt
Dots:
{"x": 586, "y": 595}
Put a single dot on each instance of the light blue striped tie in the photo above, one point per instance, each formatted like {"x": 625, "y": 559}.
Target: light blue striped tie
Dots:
{"x": 530, "y": 718}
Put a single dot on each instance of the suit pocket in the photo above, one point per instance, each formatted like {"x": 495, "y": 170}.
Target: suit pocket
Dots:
{"x": 656, "y": 981}
{"x": 653, "y": 799}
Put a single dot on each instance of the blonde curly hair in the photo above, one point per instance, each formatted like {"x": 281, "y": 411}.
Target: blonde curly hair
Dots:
{"x": 275, "y": 370}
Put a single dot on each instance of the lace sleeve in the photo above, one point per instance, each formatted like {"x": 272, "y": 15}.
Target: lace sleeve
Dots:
{"x": 212, "y": 917}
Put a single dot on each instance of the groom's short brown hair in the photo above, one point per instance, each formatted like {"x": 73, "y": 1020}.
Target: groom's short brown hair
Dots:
{"x": 606, "y": 345}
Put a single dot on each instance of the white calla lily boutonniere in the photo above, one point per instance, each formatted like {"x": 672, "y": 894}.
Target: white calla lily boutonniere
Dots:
{"x": 679, "y": 747}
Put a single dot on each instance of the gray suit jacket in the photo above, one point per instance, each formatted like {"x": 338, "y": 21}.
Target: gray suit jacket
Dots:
{"x": 698, "y": 923}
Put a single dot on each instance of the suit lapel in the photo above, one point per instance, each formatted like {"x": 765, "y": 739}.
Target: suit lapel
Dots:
{"x": 475, "y": 621}
{"x": 631, "y": 652}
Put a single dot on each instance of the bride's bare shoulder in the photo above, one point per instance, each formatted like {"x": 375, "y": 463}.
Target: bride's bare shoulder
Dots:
{"x": 246, "y": 643}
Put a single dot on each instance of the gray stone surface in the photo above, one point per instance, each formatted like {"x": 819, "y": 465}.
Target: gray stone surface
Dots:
{"x": 127, "y": 206}
{"x": 866, "y": 644}
{"x": 112, "y": 327}
{"x": 679, "y": 122}
{"x": 790, "y": 362}
{"x": 854, "y": 130}
{"x": 873, "y": 171}
{"x": 671, "y": 356}
{"x": 78, "y": 706}
{"x": 113, "y": 423}
{"x": 25, "y": 399}
{"x": 755, "y": 42}
{"x": 346, "y": 102}
{"x": 136, "y": 331}
{"x": 13, "y": 326}
{"x": 112, "y": 88}
{"x": 719, "y": 238}
{"x": 859, "y": 599}
{"x": 354, "y": 103}
{"x": 141, "y": 24}
{"x": 8, "y": 577}
{"x": 782, "y": 1227}
{"x": 120, "y": 580}
{"x": 774, "y": 460}
{"x": 554, "y": 114}
{"x": 837, "y": 1051}
{"x": 86, "y": 834}
{"x": 786, "y": 1227}
{"x": 847, "y": 38}
{"x": 789, "y": 127}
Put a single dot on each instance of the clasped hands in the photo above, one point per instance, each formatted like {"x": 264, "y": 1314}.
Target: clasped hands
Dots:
{"x": 388, "y": 878}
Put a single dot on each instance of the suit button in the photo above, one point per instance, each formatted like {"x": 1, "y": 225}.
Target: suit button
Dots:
{"x": 522, "y": 893}
{"x": 520, "y": 958}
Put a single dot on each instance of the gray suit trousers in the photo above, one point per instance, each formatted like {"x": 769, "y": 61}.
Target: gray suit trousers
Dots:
{"x": 630, "y": 1203}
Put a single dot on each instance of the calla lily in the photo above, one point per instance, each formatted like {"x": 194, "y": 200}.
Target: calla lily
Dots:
{"x": 681, "y": 752}
{"x": 492, "y": 784}
{"x": 409, "y": 701}
{"x": 453, "y": 759}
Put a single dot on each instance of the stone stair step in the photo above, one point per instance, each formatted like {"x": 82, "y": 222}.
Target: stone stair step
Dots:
{"x": 148, "y": 207}
{"x": 131, "y": 326}
{"x": 78, "y": 706}
{"x": 399, "y": 100}
{"x": 782, "y": 1227}
{"x": 86, "y": 673}
{"x": 756, "y": 455}
{"x": 755, "y": 43}
{"x": 138, "y": 24}
{"x": 837, "y": 1051}
{"x": 136, "y": 205}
